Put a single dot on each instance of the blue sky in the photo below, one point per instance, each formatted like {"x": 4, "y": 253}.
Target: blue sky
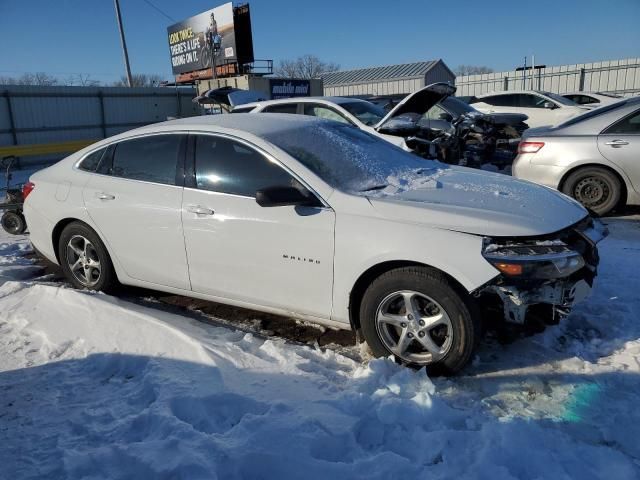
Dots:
{"x": 65, "y": 37}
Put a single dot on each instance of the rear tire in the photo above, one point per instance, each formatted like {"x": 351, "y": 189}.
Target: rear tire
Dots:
{"x": 440, "y": 329}
{"x": 84, "y": 259}
{"x": 13, "y": 222}
{"x": 596, "y": 188}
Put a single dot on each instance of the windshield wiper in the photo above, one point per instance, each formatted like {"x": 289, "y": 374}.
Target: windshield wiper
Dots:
{"x": 375, "y": 187}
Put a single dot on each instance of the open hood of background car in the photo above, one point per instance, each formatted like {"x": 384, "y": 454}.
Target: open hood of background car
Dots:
{"x": 229, "y": 96}
{"x": 418, "y": 103}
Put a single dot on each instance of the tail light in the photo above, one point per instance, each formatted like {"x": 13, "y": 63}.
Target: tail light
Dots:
{"x": 27, "y": 188}
{"x": 530, "y": 147}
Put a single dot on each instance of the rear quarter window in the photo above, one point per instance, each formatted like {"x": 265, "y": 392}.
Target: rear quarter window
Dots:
{"x": 90, "y": 162}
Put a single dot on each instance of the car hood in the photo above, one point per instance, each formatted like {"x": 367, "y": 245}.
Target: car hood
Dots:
{"x": 476, "y": 202}
{"x": 419, "y": 102}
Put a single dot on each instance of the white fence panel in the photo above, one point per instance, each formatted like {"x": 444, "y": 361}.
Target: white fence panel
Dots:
{"x": 615, "y": 76}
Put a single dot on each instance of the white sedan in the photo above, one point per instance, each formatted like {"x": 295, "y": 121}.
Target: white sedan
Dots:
{"x": 542, "y": 108}
{"x": 360, "y": 113}
{"x": 316, "y": 220}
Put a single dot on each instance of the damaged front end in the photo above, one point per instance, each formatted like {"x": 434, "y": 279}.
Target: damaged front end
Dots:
{"x": 554, "y": 271}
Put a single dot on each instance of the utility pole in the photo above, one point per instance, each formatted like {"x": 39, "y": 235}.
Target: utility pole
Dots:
{"x": 533, "y": 70}
{"x": 124, "y": 43}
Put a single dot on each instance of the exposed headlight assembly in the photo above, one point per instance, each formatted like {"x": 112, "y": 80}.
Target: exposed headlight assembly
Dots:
{"x": 545, "y": 260}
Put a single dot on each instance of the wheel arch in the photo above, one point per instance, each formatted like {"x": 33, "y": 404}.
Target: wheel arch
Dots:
{"x": 60, "y": 226}
{"x": 373, "y": 272}
{"x": 623, "y": 182}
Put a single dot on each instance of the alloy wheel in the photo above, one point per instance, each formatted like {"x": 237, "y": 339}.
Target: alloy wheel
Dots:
{"x": 414, "y": 327}
{"x": 83, "y": 261}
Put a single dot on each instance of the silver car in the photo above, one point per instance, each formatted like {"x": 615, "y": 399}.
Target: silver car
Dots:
{"x": 595, "y": 157}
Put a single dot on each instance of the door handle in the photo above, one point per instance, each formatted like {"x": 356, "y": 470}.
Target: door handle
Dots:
{"x": 105, "y": 196}
{"x": 199, "y": 210}
{"x": 617, "y": 143}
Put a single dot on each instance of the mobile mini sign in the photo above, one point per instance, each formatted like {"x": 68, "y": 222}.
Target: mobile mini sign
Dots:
{"x": 287, "y": 88}
{"x": 209, "y": 39}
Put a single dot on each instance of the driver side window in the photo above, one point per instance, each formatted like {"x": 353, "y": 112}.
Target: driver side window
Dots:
{"x": 321, "y": 111}
{"x": 533, "y": 101}
{"x": 226, "y": 166}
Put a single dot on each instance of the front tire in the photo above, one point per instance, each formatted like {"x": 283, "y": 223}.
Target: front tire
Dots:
{"x": 417, "y": 315}
{"x": 596, "y": 188}
{"x": 84, "y": 259}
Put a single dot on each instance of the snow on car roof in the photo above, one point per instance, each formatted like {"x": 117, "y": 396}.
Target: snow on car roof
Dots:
{"x": 259, "y": 125}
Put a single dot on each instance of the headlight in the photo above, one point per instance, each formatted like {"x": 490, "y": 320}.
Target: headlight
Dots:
{"x": 539, "y": 260}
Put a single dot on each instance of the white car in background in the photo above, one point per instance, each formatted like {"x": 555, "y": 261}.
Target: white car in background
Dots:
{"x": 359, "y": 113}
{"x": 592, "y": 99}
{"x": 316, "y": 220}
{"x": 542, "y": 108}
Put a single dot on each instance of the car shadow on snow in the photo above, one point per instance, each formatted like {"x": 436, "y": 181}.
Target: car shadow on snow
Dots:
{"x": 524, "y": 346}
{"x": 117, "y": 416}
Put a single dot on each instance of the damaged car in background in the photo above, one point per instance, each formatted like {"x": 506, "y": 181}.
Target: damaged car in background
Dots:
{"x": 430, "y": 122}
{"x": 454, "y": 132}
{"x": 319, "y": 221}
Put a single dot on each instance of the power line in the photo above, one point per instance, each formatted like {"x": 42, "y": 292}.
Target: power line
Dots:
{"x": 160, "y": 11}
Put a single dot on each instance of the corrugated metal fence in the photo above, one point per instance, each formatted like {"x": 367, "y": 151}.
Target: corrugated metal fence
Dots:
{"x": 36, "y": 115}
{"x": 615, "y": 76}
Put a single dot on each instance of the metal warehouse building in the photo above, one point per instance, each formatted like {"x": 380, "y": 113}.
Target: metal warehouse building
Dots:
{"x": 390, "y": 80}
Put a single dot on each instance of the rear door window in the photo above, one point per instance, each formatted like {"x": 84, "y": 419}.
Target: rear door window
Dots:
{"x": 282, "y": 108}
{"x": 149, "y": 159}
{"x": 629, "y": 125}
{"x": 500, "y": 100}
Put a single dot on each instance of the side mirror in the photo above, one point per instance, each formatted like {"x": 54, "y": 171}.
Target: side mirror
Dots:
{"x": 548, "y": 105}
{"x": 447, "y": 117}
{"x": 281, "y": 196}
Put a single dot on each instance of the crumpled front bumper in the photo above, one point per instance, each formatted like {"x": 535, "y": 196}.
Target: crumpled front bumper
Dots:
{"x": 561, "y": 294}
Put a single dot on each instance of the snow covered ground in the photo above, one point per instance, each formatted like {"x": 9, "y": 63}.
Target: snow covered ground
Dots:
{"x": 93, "y": 386}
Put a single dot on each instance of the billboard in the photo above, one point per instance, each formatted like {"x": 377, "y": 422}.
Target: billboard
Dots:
{"x": 208, "y": 39}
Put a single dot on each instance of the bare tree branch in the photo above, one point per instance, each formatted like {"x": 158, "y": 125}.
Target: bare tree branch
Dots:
{"x": 306, "y": 66}
{"x": 140, "y": 80}
{"x": 39, "y": 78}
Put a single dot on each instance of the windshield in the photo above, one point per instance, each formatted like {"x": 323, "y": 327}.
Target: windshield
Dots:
{"x": 366, "y": 112}
{"x": 561, "y": 99}
{"x": 347, "y": 158}
{"x": 457, "y": 106}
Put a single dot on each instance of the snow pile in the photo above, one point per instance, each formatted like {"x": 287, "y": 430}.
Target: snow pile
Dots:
{"x": 416, "y": 180}
{"x": 96, "y": 387}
